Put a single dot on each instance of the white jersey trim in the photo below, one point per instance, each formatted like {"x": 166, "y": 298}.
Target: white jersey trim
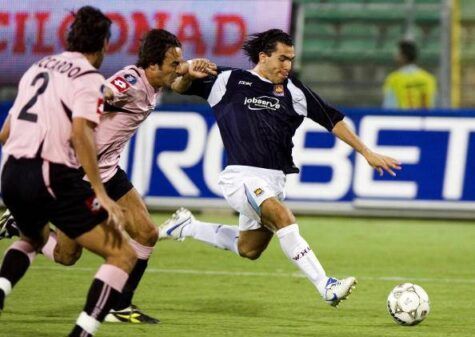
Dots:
{"x": 219, "y": 88}
{"x": 299, "y": 101}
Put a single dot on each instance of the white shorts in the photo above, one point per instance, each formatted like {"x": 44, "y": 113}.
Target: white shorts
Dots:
{"x": 245, "y": 189}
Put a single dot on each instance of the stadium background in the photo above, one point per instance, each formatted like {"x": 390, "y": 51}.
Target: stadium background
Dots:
{"x": 345, "y": 48}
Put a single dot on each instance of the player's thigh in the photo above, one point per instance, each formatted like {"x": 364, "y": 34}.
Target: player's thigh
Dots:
{"x": 67, "y": 251}
{"x": 139, "y": 224}
{"x": 111, "y": 244}
{"x": 275, "y": 214}
{"x": 245, "y": 195}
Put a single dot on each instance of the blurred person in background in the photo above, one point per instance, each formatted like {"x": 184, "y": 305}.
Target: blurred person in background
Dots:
{"x": 409, "y": 87}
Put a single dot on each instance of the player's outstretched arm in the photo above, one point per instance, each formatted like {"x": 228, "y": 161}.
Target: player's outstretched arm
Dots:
{"x": 192, "y": 70}
{"x": 377, "y": 161}
{"x": 83, "y": 141}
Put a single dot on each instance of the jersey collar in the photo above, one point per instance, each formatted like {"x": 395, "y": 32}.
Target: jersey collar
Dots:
{"x": 262, "y": 78}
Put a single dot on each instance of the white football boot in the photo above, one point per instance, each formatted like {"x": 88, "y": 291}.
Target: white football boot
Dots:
{"x": 338, "y": 290}
{"x": 173, "y": 227}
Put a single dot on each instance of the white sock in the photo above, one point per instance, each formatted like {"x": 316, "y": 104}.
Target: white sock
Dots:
{"x": 298, "y": 251}
{"x": 217, "y": 235}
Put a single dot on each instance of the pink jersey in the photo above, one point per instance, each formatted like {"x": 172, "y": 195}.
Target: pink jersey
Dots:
{"x": 134, "y": 99}
{"x": 51, "y": 93}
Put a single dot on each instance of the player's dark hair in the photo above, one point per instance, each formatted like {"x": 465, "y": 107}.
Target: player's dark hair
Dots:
{"x": 154, "y": 46}
{"x": 88, "y": 31}
{"x": 265, "y": 42}
{"x": 408, "y": 50}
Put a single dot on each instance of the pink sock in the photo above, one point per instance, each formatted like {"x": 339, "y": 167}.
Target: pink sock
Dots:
{"x": 48, "y": 248}
{"x": 112, "y": 276}
{"x": 143, "y": 252}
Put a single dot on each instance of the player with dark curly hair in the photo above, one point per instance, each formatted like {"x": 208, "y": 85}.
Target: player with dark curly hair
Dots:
{"x": 258, "y": 112}
{"x": 50, "y": 145}
{"x": 131, "y": 95}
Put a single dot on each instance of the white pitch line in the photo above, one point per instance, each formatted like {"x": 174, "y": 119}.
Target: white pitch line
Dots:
{"x": 262, "y": 274}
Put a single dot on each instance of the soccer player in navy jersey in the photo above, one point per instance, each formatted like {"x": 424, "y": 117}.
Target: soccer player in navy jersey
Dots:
{"x": 257, "y": 112}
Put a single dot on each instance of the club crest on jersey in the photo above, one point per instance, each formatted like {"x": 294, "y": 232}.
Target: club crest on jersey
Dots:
{"x": 130, "y": 78}
{"x": 93, "y": 204}
{"x": 262, "y": 102}
{"x": 120, "y": 84}
{"x": 279, "y": 90}
{"x": 258, "y": 191}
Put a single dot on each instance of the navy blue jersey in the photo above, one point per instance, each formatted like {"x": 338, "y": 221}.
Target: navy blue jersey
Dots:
{"x": 257, "y": 119}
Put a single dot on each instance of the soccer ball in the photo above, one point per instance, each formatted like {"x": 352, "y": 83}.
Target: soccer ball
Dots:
{"x": 408, "y": 304}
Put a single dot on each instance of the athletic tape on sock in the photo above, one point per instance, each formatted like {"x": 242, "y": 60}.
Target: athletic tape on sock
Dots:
{"x": 88, "y": 323}
{"x": 5, "y": 285}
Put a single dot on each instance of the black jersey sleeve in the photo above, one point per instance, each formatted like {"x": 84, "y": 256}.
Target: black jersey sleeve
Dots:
{"x": 202, "y": 87}
{"x": 317, "y": 109}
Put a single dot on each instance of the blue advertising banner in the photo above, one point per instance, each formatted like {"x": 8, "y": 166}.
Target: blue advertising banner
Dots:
{"x": 177, "y": 154}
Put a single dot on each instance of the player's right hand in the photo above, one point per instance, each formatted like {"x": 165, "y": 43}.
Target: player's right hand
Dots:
{"x": 200, "y": 68}
{"x": 116, "y": 219}
{"x": 381, "y": 162}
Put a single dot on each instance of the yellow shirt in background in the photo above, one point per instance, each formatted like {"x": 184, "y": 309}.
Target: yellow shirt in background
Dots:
{"x": 409, "y": 87}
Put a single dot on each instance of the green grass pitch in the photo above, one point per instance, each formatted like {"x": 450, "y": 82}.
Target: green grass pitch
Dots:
{"x": 199, "y": 291}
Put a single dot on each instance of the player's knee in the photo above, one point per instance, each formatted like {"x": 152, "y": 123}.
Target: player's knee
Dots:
{"x": 146, "y": 235}
{"x": 249, "y": 253}
{"x": 67, "y": 259}
{"x": 280, "y": 218}
{"x": 276, "y": 215}
{"x": 286, "y": 218}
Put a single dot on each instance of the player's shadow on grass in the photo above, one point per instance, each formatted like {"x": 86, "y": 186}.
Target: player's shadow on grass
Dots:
{"x": 252, "y": 309}
{"x": 246, "y": 308}
{"x": 61, "y": 313}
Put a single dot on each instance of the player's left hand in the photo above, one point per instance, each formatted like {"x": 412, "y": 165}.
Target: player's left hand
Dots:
{"x": 381, "y": 162}
{"x": 108, "y": 93}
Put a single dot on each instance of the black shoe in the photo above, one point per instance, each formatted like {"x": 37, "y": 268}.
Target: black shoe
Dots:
{"x": 2, "y": 300}
{"x": 8, "y": 228}
{"x": 130, "y": 314}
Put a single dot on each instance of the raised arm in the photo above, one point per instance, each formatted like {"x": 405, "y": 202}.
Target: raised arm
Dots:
{"x": 192, "y": 70}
